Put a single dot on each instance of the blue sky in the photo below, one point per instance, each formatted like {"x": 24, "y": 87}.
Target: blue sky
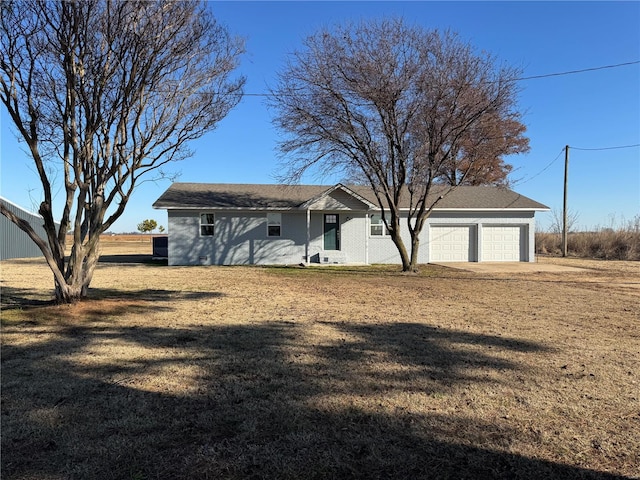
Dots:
{"x": 591, "y": 110}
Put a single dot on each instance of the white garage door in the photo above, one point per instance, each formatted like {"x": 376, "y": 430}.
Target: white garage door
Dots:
{"x": 502, "y": 244}
{"x": 451, "y": 244}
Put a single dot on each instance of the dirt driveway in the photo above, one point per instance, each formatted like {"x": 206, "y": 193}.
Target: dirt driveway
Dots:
{"x": 511, "y": 267}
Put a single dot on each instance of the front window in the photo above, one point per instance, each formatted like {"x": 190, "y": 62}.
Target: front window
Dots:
{"x": 274, "y": 224}
{"x": 207, "y": 221}
{"x": 378, "y": 228}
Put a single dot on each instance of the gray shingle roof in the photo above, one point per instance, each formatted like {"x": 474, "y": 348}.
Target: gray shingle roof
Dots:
{"x": 263, "y": 196}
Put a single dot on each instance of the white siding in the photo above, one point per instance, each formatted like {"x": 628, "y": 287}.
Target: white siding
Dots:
{"x": 352, "y": 236}
{"x": 241, "y": 237}
{"x": 383, "y": 250}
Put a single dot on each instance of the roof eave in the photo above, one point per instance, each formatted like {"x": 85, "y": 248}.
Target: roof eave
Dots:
{"x": 403, "y": 209}
{"x": 490, "y": 209}
{"x": 222, "y": 208}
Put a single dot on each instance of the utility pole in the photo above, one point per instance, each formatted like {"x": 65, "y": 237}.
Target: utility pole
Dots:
{"x": 564, "y": 205}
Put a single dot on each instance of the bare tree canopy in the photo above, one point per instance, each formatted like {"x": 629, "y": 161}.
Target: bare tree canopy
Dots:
{"x": 108, "y": 92}
{"x": 402, "y": 109}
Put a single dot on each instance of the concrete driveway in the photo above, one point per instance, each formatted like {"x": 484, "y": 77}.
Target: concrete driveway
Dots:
{"x": 509, "y": 267}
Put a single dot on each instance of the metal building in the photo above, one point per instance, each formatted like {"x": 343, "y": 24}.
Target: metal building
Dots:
{"x": 14, "y": 243}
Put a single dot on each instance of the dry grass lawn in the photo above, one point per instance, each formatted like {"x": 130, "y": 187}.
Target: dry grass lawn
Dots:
{"x": 320, "y": 373}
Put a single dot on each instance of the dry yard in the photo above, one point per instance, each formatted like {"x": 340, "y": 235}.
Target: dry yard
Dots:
{"x": 287, "y": 373}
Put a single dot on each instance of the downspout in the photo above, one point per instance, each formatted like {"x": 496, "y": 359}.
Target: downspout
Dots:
{"x": 367, "y": 221}
{"x": 306, "y": 247}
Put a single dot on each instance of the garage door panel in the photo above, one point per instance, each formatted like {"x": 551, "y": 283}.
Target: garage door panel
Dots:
{"x": 451, "y": 244}
{"x": 502, "y": 243}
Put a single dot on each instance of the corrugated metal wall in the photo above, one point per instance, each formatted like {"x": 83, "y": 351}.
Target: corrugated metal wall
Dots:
{"x": 14, "y": 243}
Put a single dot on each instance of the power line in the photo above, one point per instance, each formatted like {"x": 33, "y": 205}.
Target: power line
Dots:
{"x": 541, "y": 171}
{"x": 525, "y": 180}
{"x": 571, "y": 72}
{"x": 608, "y": 148}
{"x": 533, "y": 77}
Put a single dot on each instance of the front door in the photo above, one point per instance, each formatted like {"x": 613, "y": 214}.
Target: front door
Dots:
{"x": 331, "y": 231}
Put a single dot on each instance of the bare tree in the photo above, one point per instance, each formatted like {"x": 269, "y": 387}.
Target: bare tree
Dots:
{"x": 401, "y": 108}
{"x": 108, "y": 92}
{"x": 557, "y": 221}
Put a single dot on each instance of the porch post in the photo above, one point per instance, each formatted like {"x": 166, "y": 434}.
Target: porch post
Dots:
{"x": 306, "y": 247}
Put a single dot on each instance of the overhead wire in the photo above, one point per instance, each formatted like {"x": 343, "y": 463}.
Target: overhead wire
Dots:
{"x": 571, "y": 72}
{"x": 532, "y": 77}
{"x": 525, "y": 180}
{"x": 606, "y": 148}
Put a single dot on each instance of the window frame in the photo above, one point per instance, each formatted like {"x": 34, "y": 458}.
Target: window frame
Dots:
{"x": 332, "y": 216}
{"x": 384, "y": 231}
{"x": 207, "y": 224}
{"x": 274, "y": 223}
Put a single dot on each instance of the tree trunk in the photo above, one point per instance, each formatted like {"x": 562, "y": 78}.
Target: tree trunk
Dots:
{"x": 415, "y": 247}
{"x": 78, "y": 276}
{"x": 66, "y": 293}
{"x": 402, "y": 250}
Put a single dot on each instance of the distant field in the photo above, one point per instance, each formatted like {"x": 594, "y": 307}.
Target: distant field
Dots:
{"x": 131, "y": 244}
{"x": 320, "y": 373}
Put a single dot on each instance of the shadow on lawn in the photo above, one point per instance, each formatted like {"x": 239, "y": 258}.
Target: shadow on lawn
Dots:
{"x": 254, "y": 401}
{"x": 17, "y": 298}
{"x": 11, "y": 298}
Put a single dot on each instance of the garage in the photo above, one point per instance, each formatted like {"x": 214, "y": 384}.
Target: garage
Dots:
{"x": 452, "y": 243}
{"x": 503, "y": 243}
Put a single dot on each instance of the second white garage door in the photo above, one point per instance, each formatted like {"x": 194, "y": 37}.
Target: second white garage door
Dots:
{"x": 502, "y": 244}
{"x": 452, "y": 244}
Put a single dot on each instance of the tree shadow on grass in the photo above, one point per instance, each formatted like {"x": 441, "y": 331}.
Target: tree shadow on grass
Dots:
{"x": 12, "y": 298}
{"x": 440, "y": 358}
{"x": 253, "y": 401}
{"x": 18, "y": 298}
{"x": 155, "y": 295}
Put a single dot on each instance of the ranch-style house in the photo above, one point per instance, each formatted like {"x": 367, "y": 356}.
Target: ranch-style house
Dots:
{"x": 239, "y": 224}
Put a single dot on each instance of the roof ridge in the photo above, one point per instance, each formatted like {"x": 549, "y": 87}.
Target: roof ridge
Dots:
{"x": 288, "y": 196}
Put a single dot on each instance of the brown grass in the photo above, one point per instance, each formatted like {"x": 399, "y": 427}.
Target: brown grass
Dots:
{"x": 286, "y": 373}
{"x": 605, "y": 244}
